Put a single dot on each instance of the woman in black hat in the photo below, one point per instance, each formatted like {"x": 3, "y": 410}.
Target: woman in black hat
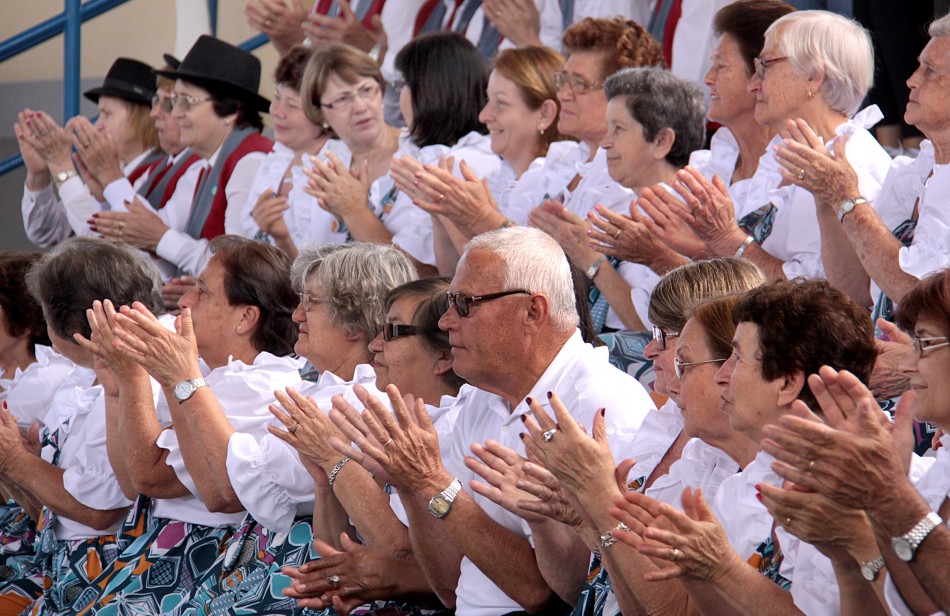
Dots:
{"x": 122, "y": 143}
{"x": 218, "y": 109}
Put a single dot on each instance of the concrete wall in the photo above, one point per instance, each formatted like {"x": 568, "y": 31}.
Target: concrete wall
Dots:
{"x": 141, "y": 29}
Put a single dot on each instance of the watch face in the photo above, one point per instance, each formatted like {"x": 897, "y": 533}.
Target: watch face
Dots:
{"x": 439, "y": 506}
{"x": 184, "y": 390}
{"x": 868, "y": 572}
{"x": 903, "y": 549}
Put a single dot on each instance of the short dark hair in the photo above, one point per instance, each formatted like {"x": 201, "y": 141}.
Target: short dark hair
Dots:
{"x": 929, "y": 299}
{"x": 258, "y": 274}
{"x": 21, "y": 313}
{"x": 245, "y": 116}
{"x": 746, "y": 22}
{"x": 806, "y": 324}
{"x": 446, "y": 77}
{"x": 623, "y": 42}
{"x": 80, "y": 270}
{"x": 434, "y": 304}
{"x": 657, "y": 99}
{"x": 290, "y": 68}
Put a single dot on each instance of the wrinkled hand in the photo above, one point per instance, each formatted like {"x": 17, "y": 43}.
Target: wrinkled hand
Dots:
{"x": 362, "y": 575}
{"x": 50, "y": 142}
{"x": 709, "y": 211}
{"x": 34, "y": 163}
{"x": 406, "y": 448}
{"x": 93, "y": 185}
{"x": 268, "y": 214}
{"x": 695, "y": 545}
{"x": 665, "y": 219}
{"x": 517, "y": 20}
{"x": 140, "y": 226}
{"x": 888, "y": 379}
{"x": 338, "y": 190}
{"x": 466, "y": 201}
{"x": 11, "y": 442}
{"x": 281, "y": 22}
{"x": 346, "y": 28}
{"x": 583, "y": 464}
{"x": 112, "y": 367}
{"x": 308, "y": 428}
{"x": 836, "y": 531}
{"x": 829, "y": 177}
{"x": 623, "y": 237}
{"x": 857, "y": 457}
{"x": 169, "y": 357}
{"x": 174, "y": 289}
{"x": 95, "y": 150}
{"x": 569, "y": 229}
{"x": 550, "y": 499}
{"x": 502, "y": 469}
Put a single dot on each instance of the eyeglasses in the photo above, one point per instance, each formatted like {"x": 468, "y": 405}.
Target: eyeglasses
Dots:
{"x": 462, "y": 302}
{"x": 578, "y": 84}
{"x": 366, "y": 93}
{"x": 762, "y": 65}
{"x": 679, "y": 366}
{"x": 397, "y": 330}
{"x": 925, "y": 345}
{"x": 660, "y": 335}
{"x": 165, "y": 103}
{"x": 308, "y": 302}
{"x": 185, "y": 102}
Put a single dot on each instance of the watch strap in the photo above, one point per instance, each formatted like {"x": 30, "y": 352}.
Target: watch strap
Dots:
{"x": 591, "y": 270}
{"x": 872, "y": 568}
{"x": 63, "y": 176}
{"x": 195, "y": 384}
{"x": 915, "y": 536}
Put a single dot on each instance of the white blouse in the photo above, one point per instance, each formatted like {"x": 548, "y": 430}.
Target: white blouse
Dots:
{"x": 656, "y": 435}
{"x": 267, "y": 474}
{"x": 29, "y": 393}
{"x": 700, "y": 466}
{"x": 243, "y": 391}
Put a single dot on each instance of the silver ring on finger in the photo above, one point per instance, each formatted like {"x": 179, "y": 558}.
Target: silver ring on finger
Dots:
{"x": 388, "y": 443}
{"x": 267, "y": 23}
{"x": 294, "y": 429}
{"x": 676, "y": 554}
{"x": 441, "y": 198}
{"x": 548, "y": 435}
{"x": 811, "y": 465}
{"x": 334, "y": 580}
{"x": 801, "y": 175}
{"x": 788, "y": 522}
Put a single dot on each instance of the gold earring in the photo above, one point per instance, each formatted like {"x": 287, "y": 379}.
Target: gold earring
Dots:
{"x": 809, "y": 93}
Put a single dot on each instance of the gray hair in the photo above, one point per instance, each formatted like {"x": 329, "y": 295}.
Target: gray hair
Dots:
{"x": 823, "y": 43}
{"x": 535, "y": 262}
{"x": 307, "y": 261}
{"x": 70, "y": 277}
{"x": 683, "y": 288}
{"x": 657, "y": 99}
{"x": 353, "y": 281}
{"x": 939, "y": 27}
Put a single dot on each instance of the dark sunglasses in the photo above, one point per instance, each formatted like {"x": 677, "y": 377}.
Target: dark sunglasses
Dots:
{"x": 463, "y": 302}
{"x": 397, "y": 330}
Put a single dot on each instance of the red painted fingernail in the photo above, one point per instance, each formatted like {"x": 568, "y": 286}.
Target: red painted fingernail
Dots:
{"x": 758, "y": 496}
{"x": 521, "y": 435}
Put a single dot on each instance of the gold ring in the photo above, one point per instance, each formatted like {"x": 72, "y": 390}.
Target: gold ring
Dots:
{"x": 267, "y": 23}
{"x": 801, "y": 175}
{"x": 441, "y": 198}
{"x": 617, "y": 235}
{"x": 294, "y": 429}
{"x": 811, "y": 465}
{"x": 788, "y": 522}
{"x": 676, "y": 554}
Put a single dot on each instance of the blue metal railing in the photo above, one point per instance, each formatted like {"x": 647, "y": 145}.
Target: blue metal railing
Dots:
{"x": 69, "y": 23}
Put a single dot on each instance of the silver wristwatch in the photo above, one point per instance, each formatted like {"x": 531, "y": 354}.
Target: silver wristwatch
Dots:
{"x": 186, "y": 389}
{"x": 441, "y": 503}
{"x": 591, "y": 270}
{"x": 62, "y": 176}
{"x": 872, "y": 568}
{"x": 848, "y": 205}
{"x": 906, "y": 546}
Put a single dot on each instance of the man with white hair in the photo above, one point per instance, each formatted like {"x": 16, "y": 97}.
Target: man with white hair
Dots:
{"x": 906, "y": 234}
{"x": 512, "y": 323}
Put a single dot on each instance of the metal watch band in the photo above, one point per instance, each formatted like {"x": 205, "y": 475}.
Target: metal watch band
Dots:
{"x": 872, "y": 568}
{"x": 745, "y": 245}
{"x": 591, "y": 271}
{"x": 906, "y": 545}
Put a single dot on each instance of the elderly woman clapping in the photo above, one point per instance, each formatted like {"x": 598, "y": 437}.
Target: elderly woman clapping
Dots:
{"x": 817, "y": 67}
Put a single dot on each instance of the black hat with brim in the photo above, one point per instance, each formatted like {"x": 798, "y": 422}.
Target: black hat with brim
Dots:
{"x": 171, "y": 61}
{"x": 127, "y": 79}
{"x": 222, "y": 68}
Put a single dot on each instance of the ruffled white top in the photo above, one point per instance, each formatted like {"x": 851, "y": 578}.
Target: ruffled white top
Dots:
{"x": 29, "y": 392}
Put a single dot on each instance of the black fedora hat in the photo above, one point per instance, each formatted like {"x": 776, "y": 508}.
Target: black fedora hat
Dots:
{"x": 218, "y": 66}
{"x": 171, "y": 61}
{"x": 127, "y": 79}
